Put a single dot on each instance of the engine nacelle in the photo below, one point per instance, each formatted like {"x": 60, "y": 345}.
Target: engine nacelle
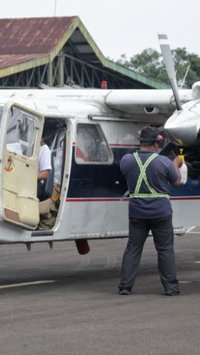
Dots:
{"x": 196, "y": 90}
{"x": 183, "y": 127}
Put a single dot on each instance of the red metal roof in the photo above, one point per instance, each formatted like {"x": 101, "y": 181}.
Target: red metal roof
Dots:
{"x": 24, "y": 39}
{"x": 8, "y": 60}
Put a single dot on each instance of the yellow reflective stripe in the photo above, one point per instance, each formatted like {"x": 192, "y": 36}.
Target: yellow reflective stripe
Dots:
{"x": 142, "y": 172}
{"x": 151, "y": 189}
{"x": 153, "y": 193}
{"x": 143, "y": 175}
{"x": 143, "y": 195}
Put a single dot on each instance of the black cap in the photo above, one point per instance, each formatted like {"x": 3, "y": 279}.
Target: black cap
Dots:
{"x": 150, "y": 135}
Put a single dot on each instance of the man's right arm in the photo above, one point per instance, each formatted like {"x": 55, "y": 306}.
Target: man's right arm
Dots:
{"x": 177, "y": 162}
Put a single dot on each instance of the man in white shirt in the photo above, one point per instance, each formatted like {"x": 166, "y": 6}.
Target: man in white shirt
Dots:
{"x": 44, "y": 168}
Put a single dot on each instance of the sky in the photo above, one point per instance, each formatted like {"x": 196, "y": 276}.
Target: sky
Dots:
{"x": 122, "y": 26}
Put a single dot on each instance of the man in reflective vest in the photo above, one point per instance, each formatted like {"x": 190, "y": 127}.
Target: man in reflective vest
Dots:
{"x": 148, "y": 175}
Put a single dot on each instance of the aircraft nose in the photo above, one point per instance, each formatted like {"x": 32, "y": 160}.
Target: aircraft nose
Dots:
{"x": 183, "y": 128}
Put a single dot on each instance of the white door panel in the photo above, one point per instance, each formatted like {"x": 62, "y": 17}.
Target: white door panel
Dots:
{"x": 21, "y": 130}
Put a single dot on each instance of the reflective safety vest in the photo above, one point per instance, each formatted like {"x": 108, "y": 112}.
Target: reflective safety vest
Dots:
{"x": 143, "y": 177}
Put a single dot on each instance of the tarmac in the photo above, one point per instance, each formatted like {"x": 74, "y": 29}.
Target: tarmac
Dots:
{"x": 59, "y": 302}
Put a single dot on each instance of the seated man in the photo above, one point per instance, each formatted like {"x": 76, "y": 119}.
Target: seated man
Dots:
{"x": 44, "y": 168}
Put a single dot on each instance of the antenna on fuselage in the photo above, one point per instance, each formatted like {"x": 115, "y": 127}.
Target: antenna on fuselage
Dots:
{"x": 169, "y": 65}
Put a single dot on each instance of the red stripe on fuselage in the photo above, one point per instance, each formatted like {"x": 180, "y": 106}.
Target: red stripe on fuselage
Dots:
{"x": 95, "y": 199}
{"x": 113, "y": 145}
{"x": 115, "y": 199}
{"x": 187, "y": 198}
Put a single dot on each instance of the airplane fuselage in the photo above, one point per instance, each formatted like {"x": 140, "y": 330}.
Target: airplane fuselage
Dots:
{"x": 88, "y": 132}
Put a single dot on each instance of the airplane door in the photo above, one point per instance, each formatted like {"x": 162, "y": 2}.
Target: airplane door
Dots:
{"x": 20, "y": 135}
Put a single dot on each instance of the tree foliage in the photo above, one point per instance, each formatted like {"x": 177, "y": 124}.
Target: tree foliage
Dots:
{"x": 150, "y": 63}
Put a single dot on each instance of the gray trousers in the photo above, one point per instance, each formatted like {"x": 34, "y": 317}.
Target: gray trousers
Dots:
{"x": 163, "y": 237}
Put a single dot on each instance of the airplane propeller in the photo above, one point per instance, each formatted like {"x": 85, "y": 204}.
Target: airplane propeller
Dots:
{"x": 169, "y": 65}
{"x": 183, "y": 127}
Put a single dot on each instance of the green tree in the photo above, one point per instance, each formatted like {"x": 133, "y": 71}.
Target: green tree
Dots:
{"x": 150, "y": 63}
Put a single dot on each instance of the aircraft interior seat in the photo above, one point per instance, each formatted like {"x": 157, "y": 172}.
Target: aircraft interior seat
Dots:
{"x": 44, "y": 206}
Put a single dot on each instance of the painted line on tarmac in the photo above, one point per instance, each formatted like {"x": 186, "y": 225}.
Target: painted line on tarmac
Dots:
{"x": 190, "y": 229}
{"x": 197, "y": 262}
{"x": 184, "y": 282}
{"x": 193, "y": 232}
{"x": 22, "y": 284}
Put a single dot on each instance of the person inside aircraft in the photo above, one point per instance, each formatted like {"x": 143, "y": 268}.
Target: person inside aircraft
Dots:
{"x": 147, "y": 175}
{"x": 44, "y": 168}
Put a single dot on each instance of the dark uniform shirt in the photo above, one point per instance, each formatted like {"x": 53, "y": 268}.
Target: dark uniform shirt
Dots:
{"x": 160, "y": 173}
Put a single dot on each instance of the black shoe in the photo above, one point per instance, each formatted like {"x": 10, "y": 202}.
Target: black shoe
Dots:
{"x": 172, "y": 293}
{"x": 124, "y": 291}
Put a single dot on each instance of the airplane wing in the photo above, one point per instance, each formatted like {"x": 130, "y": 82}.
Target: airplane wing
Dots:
{"x": 148, "y": 101}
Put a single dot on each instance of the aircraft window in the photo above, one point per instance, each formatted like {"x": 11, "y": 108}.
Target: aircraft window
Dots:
{"x": 21, "y": 131}
{"x": 91, "y": 145}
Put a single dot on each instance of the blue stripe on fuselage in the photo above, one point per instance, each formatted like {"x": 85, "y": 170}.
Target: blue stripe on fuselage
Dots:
{"x": 93, "y": 181}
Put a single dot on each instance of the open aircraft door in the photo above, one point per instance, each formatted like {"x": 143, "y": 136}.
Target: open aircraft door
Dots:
{"x": 20, "y": 136}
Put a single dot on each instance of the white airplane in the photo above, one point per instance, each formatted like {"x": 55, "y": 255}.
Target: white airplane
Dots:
{"x": 88, "y": 132}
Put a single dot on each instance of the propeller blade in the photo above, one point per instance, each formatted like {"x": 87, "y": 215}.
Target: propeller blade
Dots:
{"x": 169, "y": 64}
